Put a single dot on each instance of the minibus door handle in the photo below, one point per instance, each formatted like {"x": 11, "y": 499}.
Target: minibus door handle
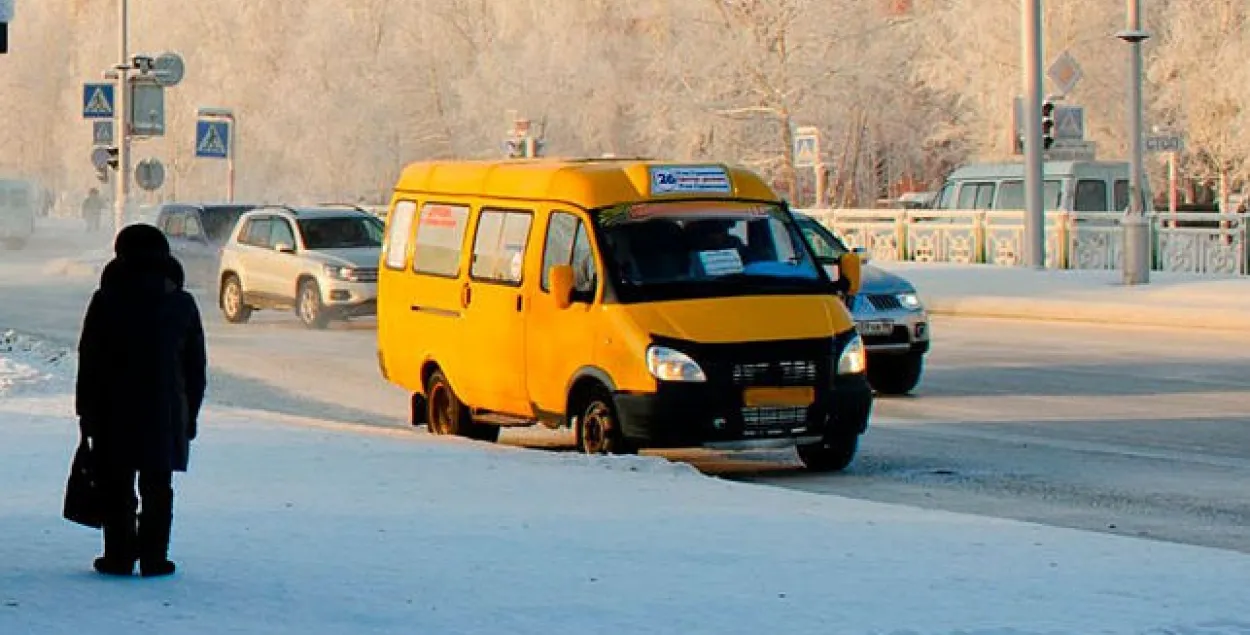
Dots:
{"x": 466, "y": 296}
{"x": 519, "y": 303}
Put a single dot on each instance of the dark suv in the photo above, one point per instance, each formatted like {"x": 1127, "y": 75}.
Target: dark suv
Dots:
{"x": 196, "y": 233}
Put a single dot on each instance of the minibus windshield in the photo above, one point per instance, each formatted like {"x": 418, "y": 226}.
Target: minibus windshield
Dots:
{"x": 690, "y": 249}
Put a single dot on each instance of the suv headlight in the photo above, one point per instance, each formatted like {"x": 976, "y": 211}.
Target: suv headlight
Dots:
{"x": 910, "y": 301}
{"x": 854, "y": 359}
{"x": 340, "y": 273}
{"x": 667, "y": 364}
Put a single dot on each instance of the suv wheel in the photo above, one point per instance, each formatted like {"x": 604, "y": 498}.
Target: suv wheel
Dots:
{"x": 308, "y": 304}
{"x": 895, "y": 374}
{"x": 231, "y": 300}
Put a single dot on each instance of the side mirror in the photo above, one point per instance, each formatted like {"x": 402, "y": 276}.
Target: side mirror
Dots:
{"x": 862, "y": 252}
{"x": 848, "y": 267}
{"x": 561, "y": 279}
{"x": 285, "y": 248}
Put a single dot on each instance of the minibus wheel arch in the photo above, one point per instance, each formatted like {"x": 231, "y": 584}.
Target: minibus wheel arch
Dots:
{"x": 585, "y": 382}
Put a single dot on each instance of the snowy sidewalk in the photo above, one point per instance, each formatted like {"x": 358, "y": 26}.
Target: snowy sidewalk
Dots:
{"x": 1169, "y": 299}
{"x": 295, "y": 526}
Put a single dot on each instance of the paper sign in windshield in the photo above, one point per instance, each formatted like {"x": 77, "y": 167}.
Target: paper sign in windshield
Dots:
{"x": 721, "y": 262}
{"x": 702, "y": 179}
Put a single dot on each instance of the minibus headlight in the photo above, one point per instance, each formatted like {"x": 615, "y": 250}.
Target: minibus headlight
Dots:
{"x": 910, "y": 301}
{"x": 340, "y": 273}
{"x": 854, "y": 359}
{"x": 667, "y": 364}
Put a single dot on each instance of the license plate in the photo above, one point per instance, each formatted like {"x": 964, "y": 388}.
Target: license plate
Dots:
{"x": 875, "y": 327}
{"x": 764, "y": 397}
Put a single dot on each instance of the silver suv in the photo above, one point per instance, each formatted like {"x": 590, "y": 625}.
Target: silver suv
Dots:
{"x": 321, "y": 262}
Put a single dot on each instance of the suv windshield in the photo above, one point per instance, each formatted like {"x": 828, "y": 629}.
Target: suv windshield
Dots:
{"x": 687, "y": 249}
{"x": 342, "y": 232}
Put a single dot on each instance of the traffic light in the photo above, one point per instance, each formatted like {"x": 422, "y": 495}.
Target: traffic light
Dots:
{"x": 1048, "y": 124}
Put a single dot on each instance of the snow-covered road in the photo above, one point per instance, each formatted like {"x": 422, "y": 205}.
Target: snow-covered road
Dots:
{"x": 299, "y": 525}
{"x": 1135, "y": 431}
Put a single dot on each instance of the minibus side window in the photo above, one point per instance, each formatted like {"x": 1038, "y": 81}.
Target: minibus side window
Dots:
{"x": 400, "y": 233}
{"x": 945, "y": 198}
{"x": 976, "y": 195}
{"x": 1091, "y": 195}
{"x": 1121, "y": 195}
{"x": 499, "y": 246}
{"x": 440, "y": 237}
{"x": 1011, "y": 195}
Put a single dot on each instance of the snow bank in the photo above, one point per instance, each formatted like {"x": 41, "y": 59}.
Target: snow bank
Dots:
{"x": 291, "y": 525}
{"x": 1169, "y": 299}
{"x": 28, "y": 364}
{"x": 86, "y": 265}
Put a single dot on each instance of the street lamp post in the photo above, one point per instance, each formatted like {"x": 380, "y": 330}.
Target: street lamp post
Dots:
{"x": 122, "y": 116}
{"x": 1035, "y": 215}
{"x": 1135, "y": 224}
{"x": 227, "y": 115}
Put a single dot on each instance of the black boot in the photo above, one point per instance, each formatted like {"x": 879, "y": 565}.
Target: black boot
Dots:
{"x": 120, "y": 544}
{"x": 155, "y": 521}
{"x": 156, "y": 568}
{"x": 111, "y": 566}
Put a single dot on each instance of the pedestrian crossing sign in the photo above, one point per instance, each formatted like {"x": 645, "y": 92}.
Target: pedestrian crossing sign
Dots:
{"x": 212, "y": 139}
{"x": 806, "y": 147}
{"x": 97, "y": 101}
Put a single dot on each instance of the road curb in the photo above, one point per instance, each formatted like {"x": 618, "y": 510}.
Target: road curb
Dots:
{"x": 1060, "y": 310}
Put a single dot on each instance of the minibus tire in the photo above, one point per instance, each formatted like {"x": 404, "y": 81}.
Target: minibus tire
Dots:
{"x": 832, "y": 455}
{"x": 895, "y": 374}
{"x": 447, "y": 415}
{"x": 603, "y": 434}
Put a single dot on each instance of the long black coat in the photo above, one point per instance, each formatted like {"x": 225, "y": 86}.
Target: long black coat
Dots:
{"x": 142, "y": 367}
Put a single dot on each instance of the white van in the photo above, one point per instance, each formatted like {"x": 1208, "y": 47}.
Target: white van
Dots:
{"x": 1070, "y": 186}
{"x": 19, "y": 205}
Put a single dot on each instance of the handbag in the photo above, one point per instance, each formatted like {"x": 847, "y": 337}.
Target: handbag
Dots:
{"x": 82, "y": 497}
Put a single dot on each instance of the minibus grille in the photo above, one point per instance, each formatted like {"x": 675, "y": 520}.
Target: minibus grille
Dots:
{"x": 768, "y": 419}
{"x": 799, "y": 372}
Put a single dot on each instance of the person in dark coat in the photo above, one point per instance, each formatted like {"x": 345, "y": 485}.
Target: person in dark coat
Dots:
{"x": 142, "y": 371}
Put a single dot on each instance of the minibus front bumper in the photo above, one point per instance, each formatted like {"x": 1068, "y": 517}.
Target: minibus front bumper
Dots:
{"x": 681, "y": 415}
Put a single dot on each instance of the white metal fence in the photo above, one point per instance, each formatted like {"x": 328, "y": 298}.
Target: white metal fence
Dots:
{"x": 1187, "y": 242}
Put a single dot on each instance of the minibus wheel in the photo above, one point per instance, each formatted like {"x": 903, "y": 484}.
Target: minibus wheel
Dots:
{"x": 599, "y": 428}
{"x": 447, "y": 415}
{"x": 831, "y": 455}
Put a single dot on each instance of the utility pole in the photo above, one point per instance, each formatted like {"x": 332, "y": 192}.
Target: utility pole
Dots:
{"x": 122, "y": 116}
{"x": 1135, "y": 225}
{"x": 1035, "y": 211}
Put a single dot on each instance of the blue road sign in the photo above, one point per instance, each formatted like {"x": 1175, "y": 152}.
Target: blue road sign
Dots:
{"x": 805, "y": 151}
{"x": 1070, "y": 123}
{"x": 212, "y": 139}
{"x": 102, "y": 133}
{"x": 97, "y": 101}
